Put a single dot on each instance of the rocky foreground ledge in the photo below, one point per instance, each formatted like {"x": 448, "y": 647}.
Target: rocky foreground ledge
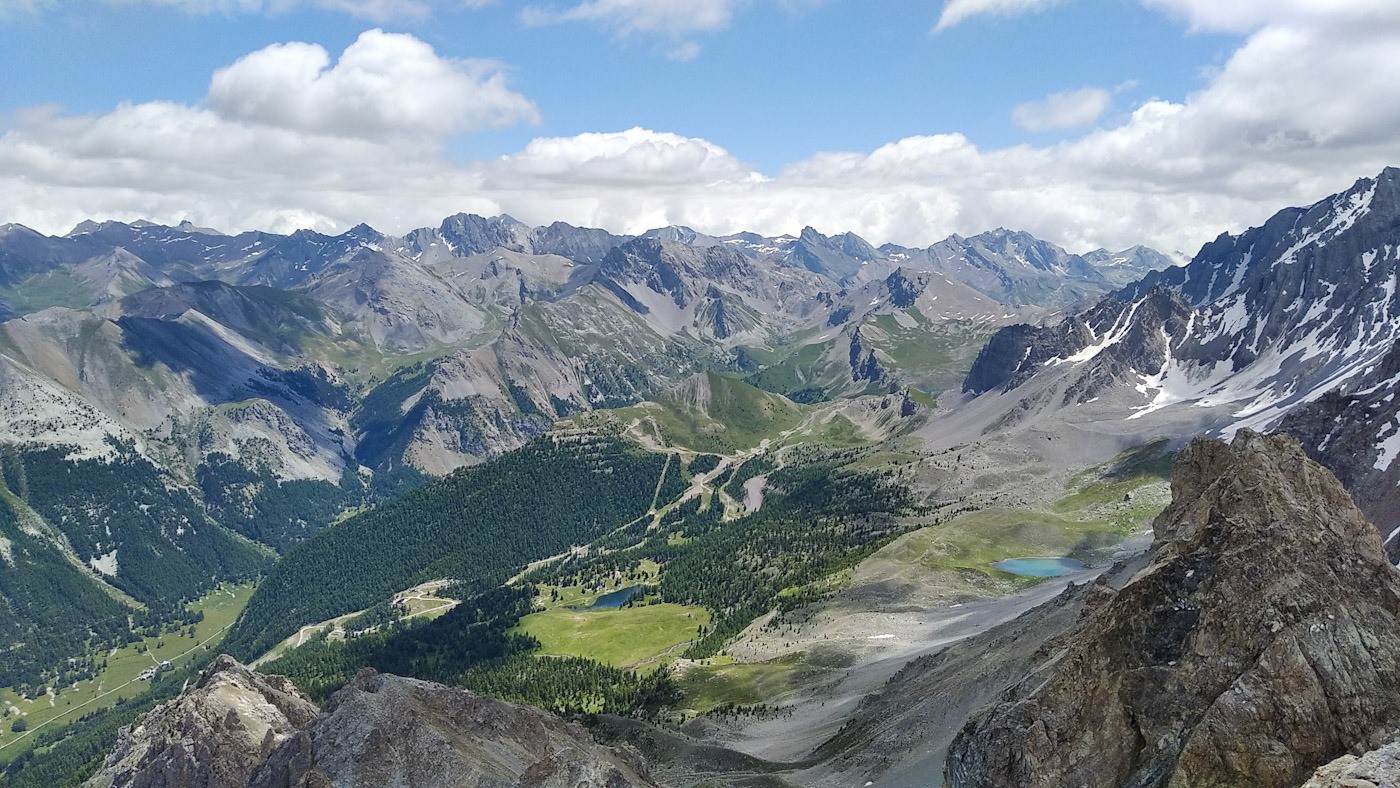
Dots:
{"x": 238, "y": 728}
{"x": 1260, "y": 641}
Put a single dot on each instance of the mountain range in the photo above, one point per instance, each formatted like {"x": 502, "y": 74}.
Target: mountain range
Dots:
{"x": 436, "y": 348}
{"x": 745, "y": 431}
{"x": 1255, "y": 326}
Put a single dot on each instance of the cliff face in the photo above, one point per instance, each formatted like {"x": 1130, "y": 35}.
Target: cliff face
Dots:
{"x": 215, "y": 734}
{"x": 236, "y": 728}
{"x": 1259, "y": 642}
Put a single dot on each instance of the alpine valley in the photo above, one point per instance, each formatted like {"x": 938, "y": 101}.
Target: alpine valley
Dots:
{"x": 489, "y": 504}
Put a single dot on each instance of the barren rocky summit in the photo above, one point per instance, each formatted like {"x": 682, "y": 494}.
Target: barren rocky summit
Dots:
{"x": 239, "y": 728}
{"x": 215, "y": 734}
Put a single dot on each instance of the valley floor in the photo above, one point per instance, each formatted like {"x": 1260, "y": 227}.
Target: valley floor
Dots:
{"x": 126, "y": 675}
{"x": 857, "y": 648}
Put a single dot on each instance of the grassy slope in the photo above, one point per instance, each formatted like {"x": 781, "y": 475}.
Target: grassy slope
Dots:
{"x": 1089, "y": 518}
{"x": 974, "y": 541}
{"x": 805, "y": 369}
{"x": 738, "y": 416}
{"x": 720, "y": 681}
{"x": 930, "y": 358}
{"x": 629, "y": 637}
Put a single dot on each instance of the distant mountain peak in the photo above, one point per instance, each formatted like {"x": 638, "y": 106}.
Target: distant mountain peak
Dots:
{"x": 84, "y": 227}
{"x": 190, "y": 227}
{"x": 678, "y": 233}
{"x": 363, "y": 232}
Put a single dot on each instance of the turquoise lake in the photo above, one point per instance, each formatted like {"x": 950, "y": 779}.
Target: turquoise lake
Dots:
{"x": 1039, "y": 567}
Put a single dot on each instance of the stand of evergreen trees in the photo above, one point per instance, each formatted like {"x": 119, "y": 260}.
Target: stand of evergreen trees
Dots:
{"x": 255, "y": 503}
{"x": 55, "y": 618}
{"x": 168, "y": 548}
{"x": 818, "y": 518}
{"x": 478, "y": 526}
{"x": 471, "y": 646}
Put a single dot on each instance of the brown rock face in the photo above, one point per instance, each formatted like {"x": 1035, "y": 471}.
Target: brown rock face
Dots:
{"x": 1259, "y": 642}
{"x": 387, "y": 730}
{"x": 212, "y": 736}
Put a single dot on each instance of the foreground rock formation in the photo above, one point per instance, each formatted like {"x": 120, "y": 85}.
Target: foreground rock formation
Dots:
{"x": 215, "y": 734}
{"x": 387, "y": 730}
{"x": 1259, "y": 642}
{"x": 238, "y": 728}
{"x": 1378, "y": 768}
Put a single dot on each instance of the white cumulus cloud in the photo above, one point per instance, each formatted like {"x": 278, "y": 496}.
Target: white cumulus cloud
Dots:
{"x": 1066, "y": 110}
{"x": 1308, "y": 102}
{"x": 384, "y": 84}
{"x": 636, "y": 157}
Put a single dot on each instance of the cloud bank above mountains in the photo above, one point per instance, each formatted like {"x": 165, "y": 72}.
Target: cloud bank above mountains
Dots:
{"x": 294, "y": 136}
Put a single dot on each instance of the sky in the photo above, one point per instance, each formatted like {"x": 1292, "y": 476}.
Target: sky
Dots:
{"x": 1086, "y": 122}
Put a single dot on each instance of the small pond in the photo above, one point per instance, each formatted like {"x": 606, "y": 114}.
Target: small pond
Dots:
{"x": 1039, "y": 567}
{"x": 616, "y": 599}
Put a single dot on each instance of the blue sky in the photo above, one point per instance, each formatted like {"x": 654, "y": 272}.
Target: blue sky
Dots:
{"x": 1087, "y": 122}
{"x": 778, "y": 86}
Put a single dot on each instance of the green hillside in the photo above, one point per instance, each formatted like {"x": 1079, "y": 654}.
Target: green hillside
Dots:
{"x": 714, "y": 413}
{"x": 95, "y": 553}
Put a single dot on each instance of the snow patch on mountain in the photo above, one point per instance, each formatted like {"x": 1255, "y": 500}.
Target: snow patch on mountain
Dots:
{"x": 1112, "y": 337}
{"x": 1388, "y": 448}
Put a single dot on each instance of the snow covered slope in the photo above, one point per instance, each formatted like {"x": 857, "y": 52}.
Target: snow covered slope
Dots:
{"x": 1254, "y": 326}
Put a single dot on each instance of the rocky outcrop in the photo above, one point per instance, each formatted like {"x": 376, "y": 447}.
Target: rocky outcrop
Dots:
{"x": 1259, "y": 641}
{"x": 1379, "y": 768}
{"x": 238, "y": 728}
{"x": 215, "y": 734}
{"x": 865, "y": 365}
{"x": 387, "y": 730}
{"x": 1117, "y": 342}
